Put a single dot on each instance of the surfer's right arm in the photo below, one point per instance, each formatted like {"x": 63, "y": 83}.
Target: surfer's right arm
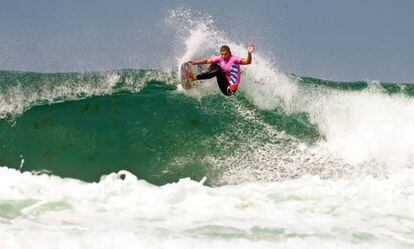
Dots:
{"x": 203, "y": 61}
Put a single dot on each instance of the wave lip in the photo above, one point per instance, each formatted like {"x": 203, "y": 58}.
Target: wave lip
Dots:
{"x": 19, "y": 91}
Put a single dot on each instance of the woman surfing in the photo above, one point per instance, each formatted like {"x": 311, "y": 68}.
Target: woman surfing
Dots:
{"x": 225, "y": 67}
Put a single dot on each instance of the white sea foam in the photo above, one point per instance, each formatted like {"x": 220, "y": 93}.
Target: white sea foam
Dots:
{"x": 367, "y": 125}
{"x": 131, "y": 213}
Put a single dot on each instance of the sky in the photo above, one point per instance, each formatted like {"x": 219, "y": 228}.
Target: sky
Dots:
{"x": 329, "y": 39}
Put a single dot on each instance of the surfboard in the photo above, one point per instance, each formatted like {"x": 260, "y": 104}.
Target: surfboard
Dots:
{"x": 186, "y": 69}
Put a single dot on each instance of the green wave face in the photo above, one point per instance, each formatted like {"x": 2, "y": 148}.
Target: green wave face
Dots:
{"x": 88, "y": 125}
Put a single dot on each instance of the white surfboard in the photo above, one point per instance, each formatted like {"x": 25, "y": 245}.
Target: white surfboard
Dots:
{"x": 186, "y": 69}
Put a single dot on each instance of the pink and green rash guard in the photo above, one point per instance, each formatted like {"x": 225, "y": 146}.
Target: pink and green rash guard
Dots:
{"x": 231, "y": 68}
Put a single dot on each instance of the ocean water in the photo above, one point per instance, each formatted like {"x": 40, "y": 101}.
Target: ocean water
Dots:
{"x": 128, "y": 159}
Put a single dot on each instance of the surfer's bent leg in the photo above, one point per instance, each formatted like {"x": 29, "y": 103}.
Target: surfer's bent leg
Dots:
{"x": 224, "y": 84}
{"x": 213, "y": 71}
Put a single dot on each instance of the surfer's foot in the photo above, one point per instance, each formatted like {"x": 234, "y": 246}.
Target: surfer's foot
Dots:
{"x": 191, "y": 75}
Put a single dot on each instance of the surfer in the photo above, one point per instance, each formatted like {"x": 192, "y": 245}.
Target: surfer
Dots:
{"x": 225, "y": 67}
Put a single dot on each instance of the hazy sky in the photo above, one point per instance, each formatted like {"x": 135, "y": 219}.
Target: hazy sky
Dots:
{"x": 332, "y": 39}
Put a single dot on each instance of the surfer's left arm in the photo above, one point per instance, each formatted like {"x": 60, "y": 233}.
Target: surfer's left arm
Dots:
{"x": 203, "y": 61}
{"x": 248, "y": 60}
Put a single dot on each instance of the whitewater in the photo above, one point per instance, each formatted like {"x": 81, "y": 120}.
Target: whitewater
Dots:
{"x": 129, "y": 159}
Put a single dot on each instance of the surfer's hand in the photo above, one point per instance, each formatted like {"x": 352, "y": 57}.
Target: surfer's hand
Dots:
{"x": 251, "y": 48}
{"x": 192, "y": 62}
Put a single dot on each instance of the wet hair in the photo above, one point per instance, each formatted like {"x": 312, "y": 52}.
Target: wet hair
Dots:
{"x": 225, "y": 48}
